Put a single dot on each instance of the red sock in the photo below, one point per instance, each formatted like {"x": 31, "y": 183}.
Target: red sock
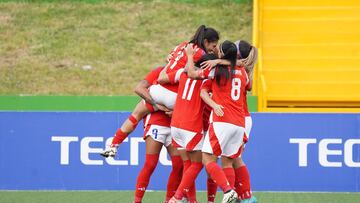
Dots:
{"x": 211, "y": 190}
{"x": 192, "y": 193}
{"x": 188, "y": 181}
{"x": 230, "y": 175}
{"x": 218, "y": 175}
{"x": 174, "y": 177}
{"x": 242, "y": 182}
{"x": 119, "y": 137}
{"x": 187, "y": 164}
{"x": 144, "y": 176}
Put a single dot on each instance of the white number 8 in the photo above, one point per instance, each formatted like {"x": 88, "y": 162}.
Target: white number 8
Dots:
{"x": 235, "y": 89}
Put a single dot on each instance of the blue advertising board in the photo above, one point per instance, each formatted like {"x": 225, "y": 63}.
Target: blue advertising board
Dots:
{"x": 286, "y": 152}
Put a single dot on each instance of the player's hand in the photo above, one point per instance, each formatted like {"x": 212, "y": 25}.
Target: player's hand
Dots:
{"x": 209, "y": 64}
{"x": 189, "y": 50}
{"x": 169, "y": 113}
{"x": 218, "y": 110}
{"x": 162, "y": 108}
{"x": 240, "y": 62}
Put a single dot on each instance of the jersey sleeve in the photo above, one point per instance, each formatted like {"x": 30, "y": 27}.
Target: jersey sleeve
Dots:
{"x": 153, "y": 75}
{"x": 207, "y": 84}
{"x": 206, "y": 73}
{"x": 174, "y": 76}
{"x": 198, "y": 54}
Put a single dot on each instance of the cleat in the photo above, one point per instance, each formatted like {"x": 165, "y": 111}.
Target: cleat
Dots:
{"x": 174, "y": 200}
{"x": 230, "y": 197}
{"x": 111, "y": 152}
{"x": 249, "y": 200}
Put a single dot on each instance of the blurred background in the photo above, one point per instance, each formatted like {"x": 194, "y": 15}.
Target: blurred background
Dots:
{"x": 68, "y": 70}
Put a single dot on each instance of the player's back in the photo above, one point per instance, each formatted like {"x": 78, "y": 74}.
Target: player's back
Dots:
{"x": 229, "y": 95}
{"x": 189, "y": 106}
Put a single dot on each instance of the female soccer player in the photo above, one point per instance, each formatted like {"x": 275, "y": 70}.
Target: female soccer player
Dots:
{"x": 187, "y": 126}
{"x": 156, "y": 134}
{"x": 204, "y": 40}
{"x": 247, "y": 56}
{"x": 225, "y": 135}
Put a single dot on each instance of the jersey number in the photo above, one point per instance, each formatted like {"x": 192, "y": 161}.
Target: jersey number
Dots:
{"x": 188, "y": 91}
{"x": 235, "y": 88}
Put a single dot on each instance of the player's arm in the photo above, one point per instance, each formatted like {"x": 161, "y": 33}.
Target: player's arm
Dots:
{"x": 192, "y": 71}
{"x": 163, "y": 77}
{"x": 204, "y": 94}
{"x": 213, "y": 63}
{"x": 141, "y": 89}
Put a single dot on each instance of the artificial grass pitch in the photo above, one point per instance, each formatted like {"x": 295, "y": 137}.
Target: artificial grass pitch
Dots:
{"x": 158, "y": 197}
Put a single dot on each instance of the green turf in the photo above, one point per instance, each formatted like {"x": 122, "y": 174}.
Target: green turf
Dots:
{"x": 158, "y": 197}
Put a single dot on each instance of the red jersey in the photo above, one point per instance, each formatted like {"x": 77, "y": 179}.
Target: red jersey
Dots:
{"x": 157, "y": 117}
{"x": 229, "y": 96}
{"x": 244, "y": 95}
{"x": 178, "y": 61}
{"x": 207, "y": 109}
{"x": 188, "y": 111}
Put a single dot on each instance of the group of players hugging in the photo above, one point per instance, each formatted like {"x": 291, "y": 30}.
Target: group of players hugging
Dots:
{"x": 196, "y": 107}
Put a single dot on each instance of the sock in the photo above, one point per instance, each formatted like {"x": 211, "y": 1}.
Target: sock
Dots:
{"x": 230, "y": 175}
{"x": 242, "y": 182}
{"x": 144, "y": 176}
{"x": 192, "y": 193}
{"x": 218, "y": 175}
{"x": 119, "y": 137}
{"x": 186, "y": 165}
{"x": 174, "y": 177}
{"x": 188, "y": 181}
{"x": 211, "y": 190}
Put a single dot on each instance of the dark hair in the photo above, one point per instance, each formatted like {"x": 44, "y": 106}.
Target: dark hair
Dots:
{"x": 223, "y": 73}
{"x": 205, "y": 57}
{"x": 202, "y": 33}
{"x": 244, "y": 49}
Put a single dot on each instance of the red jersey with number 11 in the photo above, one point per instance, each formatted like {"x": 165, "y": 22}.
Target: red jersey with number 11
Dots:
{"x": 188, "y": 111}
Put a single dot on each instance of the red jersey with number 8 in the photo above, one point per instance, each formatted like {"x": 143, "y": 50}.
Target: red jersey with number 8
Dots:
{"x": 229, "y": 96}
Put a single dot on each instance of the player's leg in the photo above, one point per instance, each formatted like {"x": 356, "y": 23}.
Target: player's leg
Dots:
{"x": 218, "y": 175}
{"x": 211, "y": 189}
{"x": 187, "y": 185}
{"x": 127, "y": 127}
{"x": 176, "y": 172}
{"x": 227, "y": 165}
{"x": 242, "y": 181}
{"x": 153, "y": 149}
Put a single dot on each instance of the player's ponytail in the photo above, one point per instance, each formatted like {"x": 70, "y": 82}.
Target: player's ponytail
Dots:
{"x": 229, "y": 52}
{"x": 202, "y": 33}
{"x": 248, "y": 55}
